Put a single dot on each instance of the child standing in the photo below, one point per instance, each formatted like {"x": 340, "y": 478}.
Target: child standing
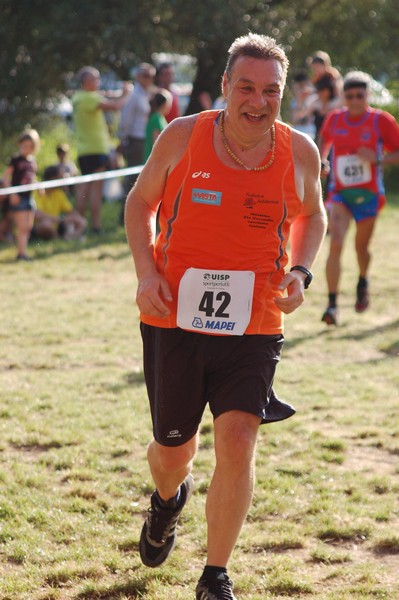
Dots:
{"x": 21, "y": 170}
{"x": 160, "y": 106}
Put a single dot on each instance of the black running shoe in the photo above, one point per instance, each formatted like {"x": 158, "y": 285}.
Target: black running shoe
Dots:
{"x": 158, "y": 536}
{"x": 362, "y": 298}
{"x": 217, "y": 588}
{"x": 330, "y": 316}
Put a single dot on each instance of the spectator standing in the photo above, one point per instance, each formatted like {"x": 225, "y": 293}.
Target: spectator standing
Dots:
{"x": 133, "y": 122}
{"x": 160, "y": 105}
{"x": 321, "y": 67}
{"x": 229, "y": 184}
{"x": 93, "y": 139}
{"x": 324, "y": 102}
{"x": 55, "y": 215}
{"x": 361, "y": 139}
{"x": 21, "y": 170}
{"x": 164, "y": 78}
{"x": 303, "y": 96}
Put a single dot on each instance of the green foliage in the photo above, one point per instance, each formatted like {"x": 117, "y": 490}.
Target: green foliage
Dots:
{"x": 45, "y": 42}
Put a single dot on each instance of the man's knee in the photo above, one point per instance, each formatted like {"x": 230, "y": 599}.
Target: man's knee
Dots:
{"x": 173, "y": 458}
{"x": 235, "y": 436}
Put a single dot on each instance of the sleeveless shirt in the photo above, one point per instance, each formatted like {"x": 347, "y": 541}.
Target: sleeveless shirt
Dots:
{"x": 213, "y": 216}
{"x": 346, "y": 136}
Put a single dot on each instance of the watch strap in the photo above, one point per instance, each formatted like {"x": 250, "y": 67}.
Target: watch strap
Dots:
{"x": 309, "y": 275}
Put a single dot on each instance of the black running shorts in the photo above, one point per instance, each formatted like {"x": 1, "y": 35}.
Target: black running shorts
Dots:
{"x": 185, "y": 370}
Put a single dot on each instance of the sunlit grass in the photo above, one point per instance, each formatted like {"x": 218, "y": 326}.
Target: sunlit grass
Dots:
{"x": 74, "y": 427}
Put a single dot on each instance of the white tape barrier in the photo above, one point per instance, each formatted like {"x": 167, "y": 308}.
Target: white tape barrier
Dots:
{"x": 41, "y": 185}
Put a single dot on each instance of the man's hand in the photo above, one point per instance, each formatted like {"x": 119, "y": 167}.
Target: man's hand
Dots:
{"x": 151, "y": 293}
{"x": 293, "y": 283}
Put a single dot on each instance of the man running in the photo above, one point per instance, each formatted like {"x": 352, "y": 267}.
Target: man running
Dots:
{"x": 212, "y": 290}
{"x": 361, "y": 139}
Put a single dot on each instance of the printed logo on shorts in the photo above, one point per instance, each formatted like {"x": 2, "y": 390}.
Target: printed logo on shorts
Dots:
{"x": 174, "y": 433}
{"x": 206, "y": 197}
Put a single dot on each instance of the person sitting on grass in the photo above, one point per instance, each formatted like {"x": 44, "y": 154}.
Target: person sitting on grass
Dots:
{"x": 55, "y": 215}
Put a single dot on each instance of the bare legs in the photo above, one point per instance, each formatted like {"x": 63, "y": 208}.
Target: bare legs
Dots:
{"x": 90, "y": 194}
{"x": 339, "y": 222}
{"x": 23, "y": 223}
{"x": 231, "y": 489}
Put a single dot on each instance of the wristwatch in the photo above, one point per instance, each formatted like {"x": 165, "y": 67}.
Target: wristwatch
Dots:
{"x": 309, "y": 275}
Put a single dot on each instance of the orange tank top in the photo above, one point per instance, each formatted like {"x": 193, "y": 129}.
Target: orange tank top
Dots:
{"x": 216, "y": 217}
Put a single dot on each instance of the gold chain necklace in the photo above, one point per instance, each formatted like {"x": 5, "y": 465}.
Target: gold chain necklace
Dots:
{"x": 235, "y": 157}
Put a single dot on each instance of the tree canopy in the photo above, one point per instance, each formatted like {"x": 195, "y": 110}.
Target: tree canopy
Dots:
{"x": 45, "y": 42}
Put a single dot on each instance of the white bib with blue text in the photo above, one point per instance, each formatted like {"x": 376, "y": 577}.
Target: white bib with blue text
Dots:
{"x": 217, "y": 302}
{"x": 353, "y": 170}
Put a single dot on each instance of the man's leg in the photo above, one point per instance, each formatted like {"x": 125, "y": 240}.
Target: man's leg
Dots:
{"x": 364, "y": 232}
{"x": 170, "y": 465}
{"x": 229, "y": 498}
{"x": 96, "y": 198}
{"x": 338, "y": 227}
{"x": 231, "y": 489}
{"x": 82, "y": 194}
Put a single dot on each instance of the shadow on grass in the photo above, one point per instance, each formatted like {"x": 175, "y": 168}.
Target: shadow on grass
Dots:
{"x": 374, "y": 330}
{"x": 387, "y": 546}
{"x": 135, "y": 588}
{"x": 391, "y": 350}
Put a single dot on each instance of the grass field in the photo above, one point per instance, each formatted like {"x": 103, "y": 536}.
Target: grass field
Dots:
{"x": 74, "y": 425}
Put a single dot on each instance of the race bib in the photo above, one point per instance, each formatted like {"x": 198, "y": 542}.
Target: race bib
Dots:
{"x": 215, "y": 301}
{"x": 352, "y": 170}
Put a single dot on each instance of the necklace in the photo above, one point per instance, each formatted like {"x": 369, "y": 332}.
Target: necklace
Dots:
{"x": 235, "y": 157}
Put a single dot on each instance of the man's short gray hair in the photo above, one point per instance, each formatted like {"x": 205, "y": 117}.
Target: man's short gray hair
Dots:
{"x": 259, "y": 46}
{"x": 86, "y": 72}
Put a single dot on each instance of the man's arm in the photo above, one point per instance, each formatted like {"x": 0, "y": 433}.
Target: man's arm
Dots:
{"x": 309, "y": 229}
{"x": 140, "y": 216}
{"x": 115, "y": 104}
{"x": 389, "y": 132}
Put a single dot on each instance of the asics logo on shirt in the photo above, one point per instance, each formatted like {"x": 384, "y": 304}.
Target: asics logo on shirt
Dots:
{"x": 200, "y": 174}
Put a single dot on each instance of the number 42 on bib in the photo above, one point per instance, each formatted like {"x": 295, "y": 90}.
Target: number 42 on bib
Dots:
{"x": 217, "y": 302}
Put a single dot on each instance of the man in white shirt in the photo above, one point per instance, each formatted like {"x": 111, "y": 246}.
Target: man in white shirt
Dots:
{"x": 133, "y": 122}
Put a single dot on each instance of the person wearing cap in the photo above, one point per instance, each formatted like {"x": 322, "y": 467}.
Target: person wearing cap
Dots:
{"x": 361, "y": 140}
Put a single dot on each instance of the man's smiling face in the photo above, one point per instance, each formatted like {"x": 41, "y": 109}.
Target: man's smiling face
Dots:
{"x": 253, "y": 92}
